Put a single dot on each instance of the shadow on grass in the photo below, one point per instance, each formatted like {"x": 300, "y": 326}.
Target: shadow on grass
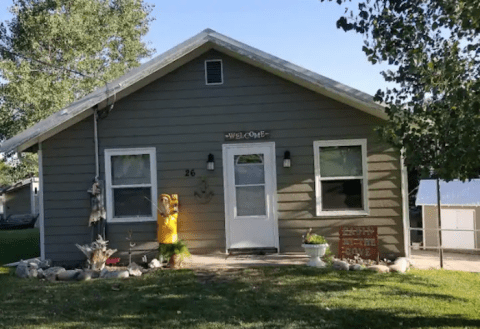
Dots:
{"x": 264, "y": 297}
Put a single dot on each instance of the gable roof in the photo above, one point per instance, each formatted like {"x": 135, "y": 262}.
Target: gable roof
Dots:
{"x": 173, "y": 59}
{"x": 454, "y": 193}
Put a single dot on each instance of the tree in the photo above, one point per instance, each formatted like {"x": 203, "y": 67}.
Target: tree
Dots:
{"x": 433, "y": 47}
{"x": 55, "y": 51}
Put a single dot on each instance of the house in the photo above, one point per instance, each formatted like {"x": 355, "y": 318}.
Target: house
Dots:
{"x": 460, "y": 213}
{"x": 289, "y": 148}
{"x": 20, "y": 198}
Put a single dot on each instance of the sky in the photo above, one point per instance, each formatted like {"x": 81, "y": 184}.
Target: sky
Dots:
{"x": 300, "y": 31}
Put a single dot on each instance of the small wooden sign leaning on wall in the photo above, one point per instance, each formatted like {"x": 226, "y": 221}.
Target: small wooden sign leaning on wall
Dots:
{"x": 358, "y": 240}
{"x": 246, "y": 135}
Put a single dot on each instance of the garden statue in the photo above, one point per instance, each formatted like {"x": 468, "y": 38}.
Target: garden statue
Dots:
{"x": 167, "y": 218}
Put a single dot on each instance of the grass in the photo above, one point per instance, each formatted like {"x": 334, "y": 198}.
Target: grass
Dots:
{"x": 19, "y": 244}
{"x": 268, "y": 297}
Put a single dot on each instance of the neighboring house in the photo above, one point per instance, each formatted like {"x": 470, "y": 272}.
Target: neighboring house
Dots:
{"x": 246, "y": 112}
{"x": 460, "y": 213}
{"x": 21, "y": 198}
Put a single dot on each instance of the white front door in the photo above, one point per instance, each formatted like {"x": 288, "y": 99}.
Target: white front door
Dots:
{"x": 250, "y": 186}
{"x": 460, "y": 226}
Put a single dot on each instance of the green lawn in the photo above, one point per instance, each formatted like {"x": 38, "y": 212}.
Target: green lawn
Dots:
{"x": 286, "y": 297}
{"x": 19, "y": 244}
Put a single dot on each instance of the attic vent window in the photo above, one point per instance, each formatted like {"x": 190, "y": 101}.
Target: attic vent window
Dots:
{"x": 214, "y": 72}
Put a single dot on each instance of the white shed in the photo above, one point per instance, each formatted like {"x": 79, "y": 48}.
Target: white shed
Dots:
{"x": 460, "y": 211}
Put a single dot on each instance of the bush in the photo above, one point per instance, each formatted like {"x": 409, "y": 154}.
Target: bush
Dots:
{"x": 169, "y": 249}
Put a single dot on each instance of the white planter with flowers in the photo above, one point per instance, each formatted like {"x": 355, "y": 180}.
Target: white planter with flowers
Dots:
{"x": 315, "y": 251}
{"x": 315, "y": 246}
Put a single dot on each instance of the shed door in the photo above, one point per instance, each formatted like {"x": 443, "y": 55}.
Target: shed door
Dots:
{"x": 459, "y": 226}
{"x": 250, "y": 189}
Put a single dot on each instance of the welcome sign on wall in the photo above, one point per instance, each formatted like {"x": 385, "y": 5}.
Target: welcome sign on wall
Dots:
{"x": 247, "y": 135}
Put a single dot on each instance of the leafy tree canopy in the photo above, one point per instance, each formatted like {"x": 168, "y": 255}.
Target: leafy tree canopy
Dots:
{"x": 433, "y": 47}
{"x": 55, "y": 51}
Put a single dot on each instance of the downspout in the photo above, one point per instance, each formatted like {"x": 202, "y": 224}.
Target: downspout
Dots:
{"x": 95, "y": 134}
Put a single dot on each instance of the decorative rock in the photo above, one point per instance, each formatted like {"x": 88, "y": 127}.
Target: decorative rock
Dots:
{"x": 32, "y": 273}
{"x": 33, "y": 265}
{"x": 51, "y": 273}
{"x": 401, "y": 265}
{"x": 87, "y": 275}
{"x": 22, "y": 270}
{"x": 340, "y": 265}
{"x": 379, "y": 268}
{"x": 69, "y": 275}
{"x": 44, "y": 264}
{"x": 106, "y": 274}
{"x": 357, "y": 267}
{"x": 135, "y": 270}
{"x": 155, "y": 263}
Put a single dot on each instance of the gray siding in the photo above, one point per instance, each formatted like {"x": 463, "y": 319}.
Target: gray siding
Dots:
{"x": 186, "y": 120}
{"x": 18, "y": 202}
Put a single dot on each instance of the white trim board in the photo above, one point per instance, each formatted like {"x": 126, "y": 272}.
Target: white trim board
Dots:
{"x": 405, "y": 208}
{"x": 41, "y": 202}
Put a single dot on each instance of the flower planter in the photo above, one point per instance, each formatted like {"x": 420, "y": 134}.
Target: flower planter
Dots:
{"x": 315, "y": 251}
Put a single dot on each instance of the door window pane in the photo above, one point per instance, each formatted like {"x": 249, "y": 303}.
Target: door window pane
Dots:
{"x": 249, "y": 169}
{"x": 131, "y": 169}
{"x": 132, "y": 202}
{"x": 248, "y": 158}
{"x": 342, "y": 194}
{"x": 249, "y": 174}
{"x": 251, "y": 201}
{"x": 341, "y": 161}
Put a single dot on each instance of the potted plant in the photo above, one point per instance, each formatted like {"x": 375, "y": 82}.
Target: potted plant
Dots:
{"x": 174, "y": 253}
{"x": 315, "y": 246}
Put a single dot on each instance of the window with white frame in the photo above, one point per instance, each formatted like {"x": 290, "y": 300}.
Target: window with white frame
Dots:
{"x": 341, "y": 177}
{"x": 131, "y": 180}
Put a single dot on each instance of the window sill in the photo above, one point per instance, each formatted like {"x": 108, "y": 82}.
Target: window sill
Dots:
{"x": 132, "y": 220}
{"x": 361, "y": 213}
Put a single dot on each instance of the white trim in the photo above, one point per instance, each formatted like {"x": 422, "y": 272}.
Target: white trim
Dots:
{"x": 423, "y": 228}
{"x": 2, "y": 204}
{"x": 405, "y": 208}
{"x": 41, "y": 215}
{"x": 269, "y": 171}
{"x": 151, "y": 151}
{"x": 318, "y": 188}
{"x": 221, "y": 72}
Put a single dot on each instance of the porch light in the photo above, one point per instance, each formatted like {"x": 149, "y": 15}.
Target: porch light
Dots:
{"x": 210, "y": 162}
{"x": 287, "y": 163}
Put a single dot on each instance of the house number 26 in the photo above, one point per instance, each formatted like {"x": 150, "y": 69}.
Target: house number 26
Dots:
{"x": 190, "y": 172}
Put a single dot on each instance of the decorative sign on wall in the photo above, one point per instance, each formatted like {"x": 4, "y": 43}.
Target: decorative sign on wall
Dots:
{"x": 246, "y": 135}
{"x": 358, "y": 240}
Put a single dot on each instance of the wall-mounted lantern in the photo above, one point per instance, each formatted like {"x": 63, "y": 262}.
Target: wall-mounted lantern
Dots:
{"x": 210, "y": 162}
{"x": 287, "y": 163}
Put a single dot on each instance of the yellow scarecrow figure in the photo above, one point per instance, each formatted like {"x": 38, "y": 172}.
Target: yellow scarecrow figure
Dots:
{"x": 167, "y": 218}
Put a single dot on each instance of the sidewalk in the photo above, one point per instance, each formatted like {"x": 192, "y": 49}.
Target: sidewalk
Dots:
{"x": 422, "y": 259}
{"x": 451, "y": 261}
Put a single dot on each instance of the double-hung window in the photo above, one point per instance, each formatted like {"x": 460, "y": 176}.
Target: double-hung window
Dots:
{"x": 341, "y": 177}
{"x": 131, "y": 178}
